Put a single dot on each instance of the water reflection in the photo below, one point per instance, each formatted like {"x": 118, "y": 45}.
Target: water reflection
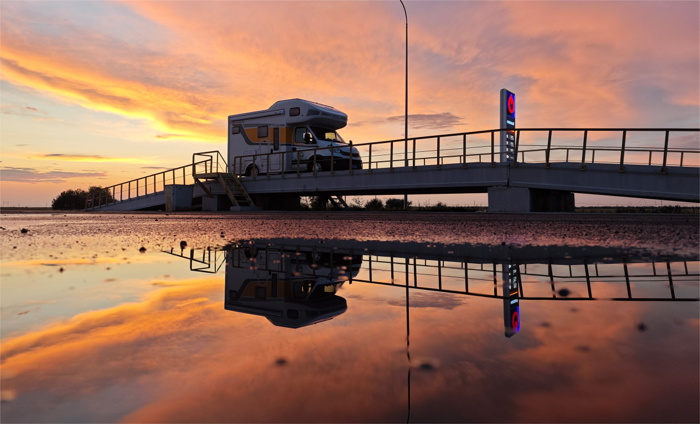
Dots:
{"x": 294, "y": 282}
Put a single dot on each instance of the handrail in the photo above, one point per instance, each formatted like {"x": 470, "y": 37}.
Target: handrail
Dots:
{"x": 264, "y": 158}
{"x": 103, "y": 196}
{"x": 216, "y": 160}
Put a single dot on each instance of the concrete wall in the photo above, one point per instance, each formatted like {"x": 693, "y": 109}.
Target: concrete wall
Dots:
{"x": 178, "y": 197}
{"x": 520, "y": 199}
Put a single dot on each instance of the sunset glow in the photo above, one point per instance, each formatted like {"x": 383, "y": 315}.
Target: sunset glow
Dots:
{"x": 128, "y": 84}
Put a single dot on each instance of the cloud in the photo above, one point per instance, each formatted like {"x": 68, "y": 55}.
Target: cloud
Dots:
{"x": 433, "y": 121}
{"x": 428, "y": 121}
{"x": 166, "y": 136}
{"x": 429, "y": 300}
{"x": 14, "y": 109}
{"x": 570, "y": 63}
{"x": 88, "y": 158}
{"x": 31, "y": 175}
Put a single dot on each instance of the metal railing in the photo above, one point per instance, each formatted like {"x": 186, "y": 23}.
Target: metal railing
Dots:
{"x": 469, "y": 148}
{"x": 473, "y": 277}
{"x": 142, "y": 186}
{"x": 210, "y": 162}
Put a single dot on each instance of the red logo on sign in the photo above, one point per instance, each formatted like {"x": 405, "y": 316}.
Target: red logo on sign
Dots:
{"x": 516, "y": 321}
{"x": 511, "y": 104}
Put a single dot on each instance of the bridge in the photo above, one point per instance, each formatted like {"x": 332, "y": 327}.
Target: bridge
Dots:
{"x": 540, "y": 173}
{"x": 472, "y": 270}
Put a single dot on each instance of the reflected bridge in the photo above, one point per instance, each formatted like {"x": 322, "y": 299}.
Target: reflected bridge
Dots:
{"x": 296, "y": 282}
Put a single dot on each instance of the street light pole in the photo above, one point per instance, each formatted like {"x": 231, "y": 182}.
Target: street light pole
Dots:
{"x": 405, "y": 121}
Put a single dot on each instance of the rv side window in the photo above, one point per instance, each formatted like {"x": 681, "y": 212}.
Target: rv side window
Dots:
{"x": 262, "y": 132}
{"x": 235, "y": 129}
{"x": 294, "y": 111}
{"x": 299, "y": 135}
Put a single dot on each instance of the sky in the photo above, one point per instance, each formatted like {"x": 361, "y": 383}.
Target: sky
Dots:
{"x": 96, "y": 93}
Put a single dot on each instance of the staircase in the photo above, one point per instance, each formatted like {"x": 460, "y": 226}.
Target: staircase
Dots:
{"x": 215, "y": 168}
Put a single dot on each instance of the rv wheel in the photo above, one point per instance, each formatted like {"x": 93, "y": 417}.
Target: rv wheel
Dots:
{"x": 253, "y": 171}
{"x": 319, "y": 165}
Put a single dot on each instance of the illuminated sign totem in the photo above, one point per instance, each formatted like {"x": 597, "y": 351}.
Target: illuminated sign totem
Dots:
{"x": 507, "y": 123}
{"x": 511, "y": 299}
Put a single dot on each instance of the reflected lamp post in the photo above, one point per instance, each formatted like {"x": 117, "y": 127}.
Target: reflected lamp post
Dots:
{"x": 405, "y": 121}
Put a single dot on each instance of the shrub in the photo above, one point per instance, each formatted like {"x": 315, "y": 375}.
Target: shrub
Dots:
{"x": 395, "y": 204}
{"x": 76, "y": 199}
{"x": 374, "y": 205}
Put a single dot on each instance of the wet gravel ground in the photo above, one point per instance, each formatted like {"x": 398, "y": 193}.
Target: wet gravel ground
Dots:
{"x": 77, "y": 234}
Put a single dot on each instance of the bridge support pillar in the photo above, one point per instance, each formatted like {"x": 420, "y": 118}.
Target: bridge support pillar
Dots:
{"x": 278, "y": 202}
{"x": 178, "y": 197}
{"x": 216, "y": 203}
{"x": 519, "y": 199}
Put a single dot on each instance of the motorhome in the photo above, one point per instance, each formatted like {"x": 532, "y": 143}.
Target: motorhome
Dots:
{"x": 305, "y": 134}
{"x": 290, "y": 288}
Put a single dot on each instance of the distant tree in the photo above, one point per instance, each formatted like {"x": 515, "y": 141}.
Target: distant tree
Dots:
{"x": 374, "y": 205}
{"x": 394, "y": 204}
{"x": 319, "y": 203}
{"x": 77, "y": 199}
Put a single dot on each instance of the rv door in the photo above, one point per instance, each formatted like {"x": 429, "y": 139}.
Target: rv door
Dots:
{"x": 275, "y": 158}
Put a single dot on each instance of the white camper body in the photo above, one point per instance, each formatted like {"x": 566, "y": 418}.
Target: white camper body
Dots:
{"x": 291, "y": 288}
{"x": 294, "y": 127}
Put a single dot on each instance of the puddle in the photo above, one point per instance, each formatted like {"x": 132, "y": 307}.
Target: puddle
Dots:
{"x": 274, "y": 323}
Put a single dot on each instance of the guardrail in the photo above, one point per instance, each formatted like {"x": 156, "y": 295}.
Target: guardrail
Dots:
{"x": 139, "y": 187}
{"x": 445, "y": 149}
{"x": 473, "y": 277}
{"x": 213, "y": 163}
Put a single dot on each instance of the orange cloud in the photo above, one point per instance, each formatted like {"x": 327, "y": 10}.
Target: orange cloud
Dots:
{"x": 179, "y": 349}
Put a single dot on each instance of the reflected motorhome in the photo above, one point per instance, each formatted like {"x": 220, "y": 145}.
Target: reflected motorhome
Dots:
{"x": 294, "y": 127}
{"x": 291, "y": 289}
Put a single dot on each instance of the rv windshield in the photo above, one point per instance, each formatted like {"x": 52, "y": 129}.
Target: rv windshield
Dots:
{"x": 327, "y": 134}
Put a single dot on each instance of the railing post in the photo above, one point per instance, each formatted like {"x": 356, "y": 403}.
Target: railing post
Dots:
{"x": 583, "y": 154}
{"x": 438, "y": 152}
{"x": 114, "y": 194}
{"x": 129, "y": 194}
{"x": 493, "y": 162}
{"x": 163, "y": 181}
{"x": 663, "y": 167}
{"x": 517, "y": 146}
{"x": 549, "y": 146}
{"x": 332, "y": 159}
{"x": 464, "y": 150}
{"x": 622, "y": 152}
{"x": 121, "y": 192}
{"x": 137, "y": 188}
{"x": 682, "y": 159}
{"x": 370, "y": 158}
{"x": 283, "y": 159}
{"x": 252, "y": 170}
{"x": 350, "y": 169}
{"x": 315, "y": 151}
{"x": 184, "y": 177}
{"x": 650, "y": 157}
{"x": 391, "y": 156}
{"x": 298, "y": 165}
{"x": 670, "y": 278}
{"x": 268, "y": 166}
{"x": 414, "y": 154}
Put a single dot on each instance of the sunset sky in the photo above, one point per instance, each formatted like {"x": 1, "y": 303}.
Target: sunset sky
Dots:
{"x": 95, "y": 93}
